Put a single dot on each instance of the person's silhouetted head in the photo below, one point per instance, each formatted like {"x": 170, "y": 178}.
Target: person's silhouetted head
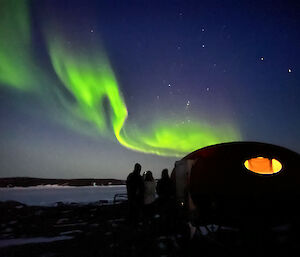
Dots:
{"x": 137, "y": 168}
{"x": 165, "y": 174}
{"x": 149, "y": 176}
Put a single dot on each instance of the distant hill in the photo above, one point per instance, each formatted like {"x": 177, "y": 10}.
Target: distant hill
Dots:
{"x": 27, "y": 181}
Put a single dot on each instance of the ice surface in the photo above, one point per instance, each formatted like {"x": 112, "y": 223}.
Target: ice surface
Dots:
{"x": 49, "y": 195}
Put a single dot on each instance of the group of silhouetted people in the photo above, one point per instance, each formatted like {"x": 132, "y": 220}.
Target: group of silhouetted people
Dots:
{"x": 146, "y": 197}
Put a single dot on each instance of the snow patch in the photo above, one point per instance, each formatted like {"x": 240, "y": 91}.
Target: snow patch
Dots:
{"x": 32, "y": 240}
{"x": 70, "y": 232}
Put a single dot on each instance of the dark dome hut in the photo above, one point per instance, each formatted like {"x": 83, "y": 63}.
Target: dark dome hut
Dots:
{"x": 239, "y": 182}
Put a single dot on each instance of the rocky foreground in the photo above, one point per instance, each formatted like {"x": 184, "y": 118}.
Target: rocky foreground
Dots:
{"x": 97, "y": 229}
{"x": 80, "y": 230}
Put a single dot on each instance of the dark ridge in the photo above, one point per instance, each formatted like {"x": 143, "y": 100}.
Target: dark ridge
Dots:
{"x": 27, "y": 181}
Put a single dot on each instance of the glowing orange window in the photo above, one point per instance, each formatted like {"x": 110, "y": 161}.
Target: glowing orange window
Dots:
{"x": 262, "y": 165}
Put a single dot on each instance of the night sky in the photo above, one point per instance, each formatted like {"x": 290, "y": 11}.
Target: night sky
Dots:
{"x": 88, "y": 88}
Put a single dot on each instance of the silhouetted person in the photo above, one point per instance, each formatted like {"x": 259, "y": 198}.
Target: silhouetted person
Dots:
{"x": 149, "y": 188}
{"x": 166, "y": 200}
{"x": 149, "y": 195}
{"x": 135, "y": 193}
{"x": 165, "y": 187}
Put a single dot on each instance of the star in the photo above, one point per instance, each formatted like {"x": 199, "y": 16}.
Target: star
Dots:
{"x": 203, "y": 45}
{"x": 290, "y": 70}
{"x": 261, "y": 58}
{"x": 207, "y": 89}
{"x": 169, "y": 85}
{"x": 92, "y": 30}
{"x": 202, "y": 29}
{"x": 187, "y": 105}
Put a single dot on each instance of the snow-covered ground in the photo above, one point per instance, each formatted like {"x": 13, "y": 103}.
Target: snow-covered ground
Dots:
{"x": 50, "y": 194}
{"x": 34, "y": 240}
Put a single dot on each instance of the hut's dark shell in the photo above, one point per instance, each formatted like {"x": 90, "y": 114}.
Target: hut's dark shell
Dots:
{"x": 224, "y": 190}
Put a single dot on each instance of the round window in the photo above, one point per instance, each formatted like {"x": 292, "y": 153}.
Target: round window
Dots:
{"x": 262, "y": 165}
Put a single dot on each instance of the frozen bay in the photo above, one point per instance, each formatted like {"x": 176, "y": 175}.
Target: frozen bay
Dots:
{"x": 48, "y": 195}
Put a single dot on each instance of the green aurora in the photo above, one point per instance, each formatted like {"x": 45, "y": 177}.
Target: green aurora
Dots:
{"x": 88, "y": 76}
{"x": 16, "y": 65}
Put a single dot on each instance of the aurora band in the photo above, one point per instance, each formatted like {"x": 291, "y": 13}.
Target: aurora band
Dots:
{"x": 89, "y": 78}
{"x": 16, "y": 64}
